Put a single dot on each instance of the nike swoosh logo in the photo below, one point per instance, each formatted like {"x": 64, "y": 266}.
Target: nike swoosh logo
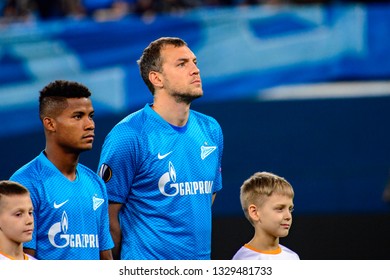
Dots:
{"x": 163, "y": 156}
{"x": 56, "y": 206}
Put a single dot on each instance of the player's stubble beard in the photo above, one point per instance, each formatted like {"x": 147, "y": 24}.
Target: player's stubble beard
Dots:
{"x": 186, "y": 98}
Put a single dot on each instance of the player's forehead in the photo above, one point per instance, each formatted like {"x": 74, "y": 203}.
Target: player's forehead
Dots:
{"x": 79, "y": 104}
{"x": 171, "y": 53}
{"x": 78, "y": 101}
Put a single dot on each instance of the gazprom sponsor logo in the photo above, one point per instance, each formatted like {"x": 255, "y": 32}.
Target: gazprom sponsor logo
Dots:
{"x": 192, "y": 188}
{"x": 59, "y": 237}
{"x": 169, "y": 187}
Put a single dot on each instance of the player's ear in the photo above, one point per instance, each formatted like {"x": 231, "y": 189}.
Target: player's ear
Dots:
{"x": 155, "y": 79}
{"x": 49, "y": 124}
{"x": 253, "y": 212}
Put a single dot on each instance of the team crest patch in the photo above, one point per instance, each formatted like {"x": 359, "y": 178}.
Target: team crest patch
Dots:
{"x": 105, "y": 172}
{"x": 97, "y": 202}
{"x": 206, "y": 151}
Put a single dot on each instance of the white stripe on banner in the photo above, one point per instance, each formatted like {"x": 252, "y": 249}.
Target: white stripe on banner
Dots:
{"x": 326, "y": 91}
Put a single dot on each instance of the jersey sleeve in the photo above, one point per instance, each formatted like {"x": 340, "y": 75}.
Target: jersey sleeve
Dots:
{"x": 105, "y": 242}
{"x": 117, "y": 164}
{"x": 218, "y": 176}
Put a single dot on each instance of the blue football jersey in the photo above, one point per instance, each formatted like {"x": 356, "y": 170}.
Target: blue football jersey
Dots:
{"x": 71, "y": 217}
{"x": 165, "y": 177}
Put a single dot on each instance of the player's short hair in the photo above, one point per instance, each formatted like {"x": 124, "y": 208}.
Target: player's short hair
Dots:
{"x": 151, "y": 60}
{"x": 261, "y": 185}
{"x": 11, "y": 188}
{"x": 53, "y": 97}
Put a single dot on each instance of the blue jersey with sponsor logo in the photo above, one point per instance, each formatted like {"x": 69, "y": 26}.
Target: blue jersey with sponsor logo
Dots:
{"x": 165, "y": 177}
{"x": 71, "y": 217}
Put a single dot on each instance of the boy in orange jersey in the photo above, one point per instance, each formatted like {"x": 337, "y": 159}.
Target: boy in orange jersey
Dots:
{"x": 267, "y": 202}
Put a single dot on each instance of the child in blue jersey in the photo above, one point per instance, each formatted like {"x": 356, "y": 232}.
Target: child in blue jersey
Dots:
{"x": 70, "y": 200}
{"x": 267, "y": 201}
{"x": 162, "y": 164}
{"x": 16, "y": 220}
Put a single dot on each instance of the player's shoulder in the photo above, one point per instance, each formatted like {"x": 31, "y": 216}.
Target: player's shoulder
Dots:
{"x": 131, "y": 123}
{"x": 203, "y": 118}
{"x": 84, "y": 170}
{"x": 88, "y": 176}
{"x": 28, "y": 171}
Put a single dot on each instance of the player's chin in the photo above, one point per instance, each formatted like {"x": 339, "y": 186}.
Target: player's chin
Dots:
{"x": 197, "y": 94}
{"x": 198, "y": 91}
{"x": 86, "y": 147}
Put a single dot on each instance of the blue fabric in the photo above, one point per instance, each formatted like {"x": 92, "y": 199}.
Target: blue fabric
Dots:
{"x": 71, "y": 218}
{"x": 165, "y": 179}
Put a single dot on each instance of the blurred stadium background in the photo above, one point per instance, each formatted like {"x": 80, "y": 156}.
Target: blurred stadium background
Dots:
{"x": 299, "y": 90}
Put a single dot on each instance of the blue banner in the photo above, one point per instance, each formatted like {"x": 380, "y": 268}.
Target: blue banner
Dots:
{"x": 241, "y": 51}
{"x": 335, "y": 150}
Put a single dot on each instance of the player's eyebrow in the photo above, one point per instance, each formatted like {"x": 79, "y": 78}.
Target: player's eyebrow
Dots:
{"x": 182, "y": 59}
{"x": 186, "y": 59}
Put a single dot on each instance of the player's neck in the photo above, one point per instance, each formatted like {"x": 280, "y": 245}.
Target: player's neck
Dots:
{"x": 66, "y": 163}
{"x": 171, "y": 111}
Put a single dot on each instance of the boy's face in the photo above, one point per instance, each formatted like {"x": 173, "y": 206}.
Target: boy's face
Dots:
{"x": 275, "y": 217}
{"x": 16, "y": 218}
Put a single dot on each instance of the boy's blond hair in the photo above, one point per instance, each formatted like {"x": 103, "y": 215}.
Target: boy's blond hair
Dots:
{"x": 261, "y": 185}
{"x": 11, "y": 188}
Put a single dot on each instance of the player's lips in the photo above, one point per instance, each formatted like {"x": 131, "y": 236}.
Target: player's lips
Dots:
{"x": 287, "y": 226}
{"x": 196, "y": 81}
{"x": 89, "y": 136}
